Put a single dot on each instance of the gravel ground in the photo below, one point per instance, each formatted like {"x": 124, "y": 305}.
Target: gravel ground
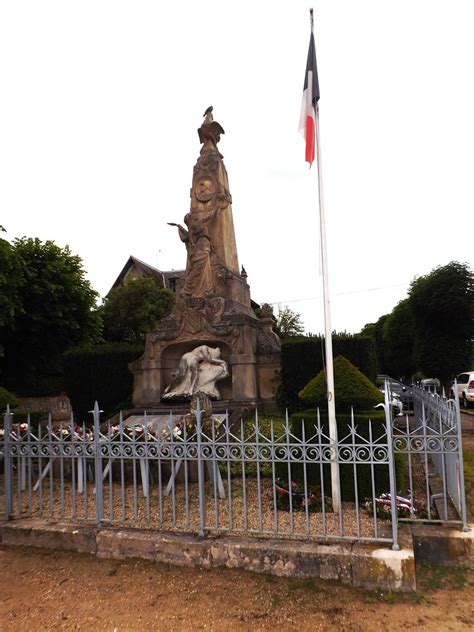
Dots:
{"x": 174, "y": 513}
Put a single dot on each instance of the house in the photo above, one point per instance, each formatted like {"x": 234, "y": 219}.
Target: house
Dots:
{"x": 137, "y": 269}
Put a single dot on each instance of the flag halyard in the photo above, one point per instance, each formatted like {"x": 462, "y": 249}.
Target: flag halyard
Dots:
{"x": 309, "y": 103}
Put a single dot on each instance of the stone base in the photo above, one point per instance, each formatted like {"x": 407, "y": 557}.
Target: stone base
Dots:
{"x": 361, "y": 565}
{"x": 443, "y": 546}
{"x": 219, "y": 407}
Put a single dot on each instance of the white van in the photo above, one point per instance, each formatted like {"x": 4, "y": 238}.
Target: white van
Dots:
{"x": 465, "y": 388}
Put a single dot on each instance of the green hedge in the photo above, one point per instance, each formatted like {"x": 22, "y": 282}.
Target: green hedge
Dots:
{"x": 100, "y": 373}
{"x": 302, "y": 359}
{"x": 346, "y": 471}
{"x": 352, "y": 389}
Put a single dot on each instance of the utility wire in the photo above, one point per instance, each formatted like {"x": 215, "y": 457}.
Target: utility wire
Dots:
{"x": 313, "y": 298}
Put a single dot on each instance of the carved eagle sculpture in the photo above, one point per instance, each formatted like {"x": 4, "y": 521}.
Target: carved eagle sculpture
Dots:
{"x": 208, "y": 115}
{"x": 210, "y": 129}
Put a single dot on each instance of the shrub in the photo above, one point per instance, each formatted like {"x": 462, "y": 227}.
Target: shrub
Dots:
{"x": 303, "y": 359}
{"x": 7, "y": 398}
{"x": 352, "y": 388}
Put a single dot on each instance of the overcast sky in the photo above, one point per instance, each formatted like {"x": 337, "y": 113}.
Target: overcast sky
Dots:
{"x": 100, "y": 103}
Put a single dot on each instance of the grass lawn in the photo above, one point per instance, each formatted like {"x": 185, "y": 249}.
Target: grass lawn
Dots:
{"x": 469, "y": 478}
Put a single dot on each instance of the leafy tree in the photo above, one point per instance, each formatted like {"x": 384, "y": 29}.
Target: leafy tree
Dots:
{"x": 56, "y": 313}
{"x": 398, "y": 341}
{"x": 130, "y": 311}
{"x": 442, "y": 303}
{"x": 432, "y": 330}
{"x": 288, "y": 324}
{"x": 376, "y": 331}
{"x": 11, "y": 280}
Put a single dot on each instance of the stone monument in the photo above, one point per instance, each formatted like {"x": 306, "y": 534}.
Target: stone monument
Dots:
{"x": 212, "y": 334}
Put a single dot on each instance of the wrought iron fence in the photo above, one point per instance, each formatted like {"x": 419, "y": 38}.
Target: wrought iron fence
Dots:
{"x": 431, "y": 441}
{"x": 268, "y": 477}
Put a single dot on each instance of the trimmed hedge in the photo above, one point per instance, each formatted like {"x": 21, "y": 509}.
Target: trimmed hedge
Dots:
{"x": 346, "y": 471}
{"x": 101, "y": 374}
{"x": 351, "y": 388}
{"x": 302, "y": 359}
{"x": 38, "y": 384}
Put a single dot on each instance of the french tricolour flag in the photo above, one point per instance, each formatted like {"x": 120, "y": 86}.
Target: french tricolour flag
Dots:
{"x": 310, "y": 100}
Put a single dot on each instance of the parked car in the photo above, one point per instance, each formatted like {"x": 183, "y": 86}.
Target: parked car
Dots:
{"x": 465, "y": 388}
{"x": 398, "y": 392}
{"x": 431, "y": 383}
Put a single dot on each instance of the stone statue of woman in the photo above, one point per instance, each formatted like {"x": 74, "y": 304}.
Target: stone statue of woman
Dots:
{"x": 202, "y": 262}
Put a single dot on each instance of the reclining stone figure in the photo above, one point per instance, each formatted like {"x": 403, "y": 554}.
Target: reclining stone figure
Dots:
{"x": 198, "y": 372}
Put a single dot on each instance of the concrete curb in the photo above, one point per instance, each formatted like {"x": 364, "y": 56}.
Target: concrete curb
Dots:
{"x": 445, "y": 547}
{"x": 46, "y": 535}
{"x": 361, "y": 565}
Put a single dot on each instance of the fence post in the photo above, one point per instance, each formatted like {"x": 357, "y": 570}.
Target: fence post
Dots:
{"x": 99, "y": 489}
{"x": 462, "y": 490}
{"x": 201, "y": 474}
{"x": 8, "y": 464}
{"x": 391, "y": 467}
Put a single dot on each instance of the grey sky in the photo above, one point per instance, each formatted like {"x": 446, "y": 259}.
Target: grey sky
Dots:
{"x": 101, "y": 101}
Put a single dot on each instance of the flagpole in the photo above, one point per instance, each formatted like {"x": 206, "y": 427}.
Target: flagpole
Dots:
{"x": 335, "y": 484}
{"x": 309, "y": 127}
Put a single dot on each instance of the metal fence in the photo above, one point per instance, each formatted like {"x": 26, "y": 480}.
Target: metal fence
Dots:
{"x": 431, "y": 442}
{"x": 266, "y": 477}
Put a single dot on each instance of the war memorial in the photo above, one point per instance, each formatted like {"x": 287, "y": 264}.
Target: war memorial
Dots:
{"x": 198, "y": 474}
{"x": 212, "y": 341}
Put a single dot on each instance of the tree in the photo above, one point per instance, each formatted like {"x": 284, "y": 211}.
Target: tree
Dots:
{"x": 288, "y": 324}
{"x": 11, "y": 280}
{"x": 376, "y": 331}
{"x": 130, "y": 311}
{"x": 57, "y": 312}
{"x": 442, "y": 303}
{"x": 398, "y": 339}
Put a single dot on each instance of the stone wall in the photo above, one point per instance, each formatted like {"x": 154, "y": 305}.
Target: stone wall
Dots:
{"x": 58, "y": 405}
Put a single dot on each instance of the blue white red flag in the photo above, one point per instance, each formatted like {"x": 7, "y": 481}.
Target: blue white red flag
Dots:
{"x": 310, "y": 100}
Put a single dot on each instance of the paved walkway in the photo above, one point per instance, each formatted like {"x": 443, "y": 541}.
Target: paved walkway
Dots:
{"x": 467, "y": 421}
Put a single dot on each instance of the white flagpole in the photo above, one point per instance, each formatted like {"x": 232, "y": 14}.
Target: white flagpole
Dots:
{"x": 335, "y": 485}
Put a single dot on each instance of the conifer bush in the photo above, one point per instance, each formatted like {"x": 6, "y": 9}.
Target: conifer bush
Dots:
{"x": 302, "y": 359}
{"x": 352, "y": 388}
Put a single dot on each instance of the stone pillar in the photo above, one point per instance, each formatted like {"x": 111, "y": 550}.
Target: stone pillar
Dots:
{"x": 147, "y": 381}
{"x": 244, "y": 378}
